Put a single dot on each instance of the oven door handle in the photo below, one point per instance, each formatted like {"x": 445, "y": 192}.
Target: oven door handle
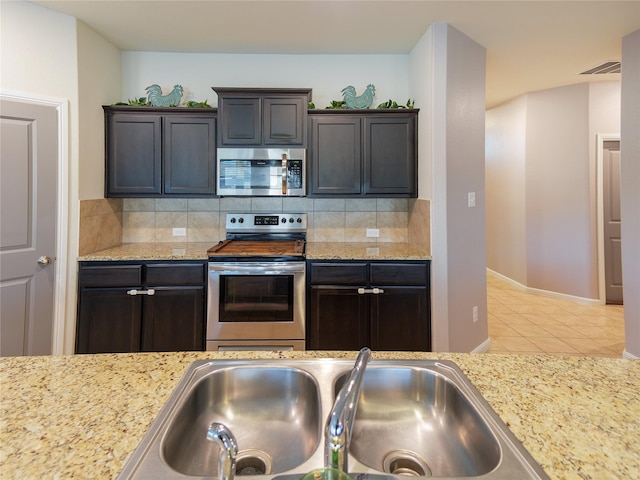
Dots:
{"x": 262, "y": 269}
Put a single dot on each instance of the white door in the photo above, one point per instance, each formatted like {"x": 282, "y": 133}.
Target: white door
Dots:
{"x": 612, "y": 222}
{"x": 28, "y": 193}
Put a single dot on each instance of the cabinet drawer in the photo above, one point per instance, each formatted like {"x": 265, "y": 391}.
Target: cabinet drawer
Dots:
{"x": 339, "y": 273}
{"x": 399, "y": 274}
{"x": 110, "y": 276}
{"x": 172, "y": 274}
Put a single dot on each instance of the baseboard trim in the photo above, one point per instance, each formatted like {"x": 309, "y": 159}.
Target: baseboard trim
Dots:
{"x": 629, "y": 356}
{"x": 483, "y": 347}
{"x": 546, "y": 293}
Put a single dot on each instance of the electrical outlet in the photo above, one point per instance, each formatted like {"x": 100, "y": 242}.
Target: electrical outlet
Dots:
{"x": 180, "y": 232}
{"x": 472, "y": 199}
{"x": 373, "y": 232}
{"x": 475, "y": 314}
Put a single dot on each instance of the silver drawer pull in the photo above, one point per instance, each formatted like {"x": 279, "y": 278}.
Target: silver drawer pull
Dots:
{"x": 134, "y": 292}
{"x": 375, "y": 291}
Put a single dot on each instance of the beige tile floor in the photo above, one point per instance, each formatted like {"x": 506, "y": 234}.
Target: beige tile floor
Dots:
{"x": 521, "y": 322}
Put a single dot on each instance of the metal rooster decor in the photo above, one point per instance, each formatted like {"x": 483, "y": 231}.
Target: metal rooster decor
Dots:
{"x": 156, "y": 98}
{"x": 363, "y": 101}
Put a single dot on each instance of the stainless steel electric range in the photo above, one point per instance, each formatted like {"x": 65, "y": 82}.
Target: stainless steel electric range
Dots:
{"x": 256, "y": 295}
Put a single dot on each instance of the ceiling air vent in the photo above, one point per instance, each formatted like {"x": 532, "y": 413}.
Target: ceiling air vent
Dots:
{"x": 606, "y": 67}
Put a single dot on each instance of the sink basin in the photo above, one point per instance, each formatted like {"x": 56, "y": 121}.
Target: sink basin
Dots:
{"x": 274, "y": 413}
{"x": 422, "y": 418}
{"x": 416, "y": 421}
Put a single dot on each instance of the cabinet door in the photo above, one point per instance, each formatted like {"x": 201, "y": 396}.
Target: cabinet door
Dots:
{"x": 108, "y": 321}
{"x": 336, "y": 155}
{"x": 189, "y": 150}
{"x": 240, "y": 121}
{"x": 400, "y": 319}
{"x": 390, "y": 161}
{"x": 134, "y": 155}
{"x": 338, "y": 319}
{"x": 284, "y": 120}
{"x": 174, "y": 320}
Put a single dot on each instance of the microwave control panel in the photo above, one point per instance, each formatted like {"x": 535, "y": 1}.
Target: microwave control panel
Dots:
{"x": 294, "y": 173}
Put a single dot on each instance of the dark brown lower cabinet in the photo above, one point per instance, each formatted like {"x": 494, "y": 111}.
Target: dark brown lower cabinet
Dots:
{"x": 382, "y": 305}
{"x": 173, "y": 320}
{"x": 133, "y": 307}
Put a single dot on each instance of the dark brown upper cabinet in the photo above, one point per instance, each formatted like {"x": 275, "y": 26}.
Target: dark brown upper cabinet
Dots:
{"x": 155, "y": 152}
{"x": 354, "y": 153}
{"x": 262, "y": 117}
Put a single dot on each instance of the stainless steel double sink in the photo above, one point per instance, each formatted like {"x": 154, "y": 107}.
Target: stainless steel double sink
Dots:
{"x": 414, "y": 418}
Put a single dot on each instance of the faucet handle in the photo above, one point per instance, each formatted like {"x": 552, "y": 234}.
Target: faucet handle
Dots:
{"x": 222, "y": 436}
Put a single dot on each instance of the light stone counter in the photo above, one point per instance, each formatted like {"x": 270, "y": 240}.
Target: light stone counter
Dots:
{"x": 152, "y": 251}
{"x": 81, "y": 416}
{"x": 314, "y": 251}
{"x": 364, "y": 251}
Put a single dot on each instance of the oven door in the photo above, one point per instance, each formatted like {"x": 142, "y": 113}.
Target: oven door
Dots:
{"x": 256, "y": 301}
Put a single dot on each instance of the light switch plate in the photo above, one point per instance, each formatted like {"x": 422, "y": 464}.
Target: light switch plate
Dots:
{"x": 180, "y": 232}
{"x": 373, "y": 232}
{"x": 472, "y": 199}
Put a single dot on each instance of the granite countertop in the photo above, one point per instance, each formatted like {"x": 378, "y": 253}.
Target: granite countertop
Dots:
{"x": 364, "y": 251}
{"x": 81, "y": 416}
{"x": 151, "y": 251}
{"x": 314, "y": 251}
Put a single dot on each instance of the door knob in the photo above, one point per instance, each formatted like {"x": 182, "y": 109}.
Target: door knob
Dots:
{"x": 44, "y": 260}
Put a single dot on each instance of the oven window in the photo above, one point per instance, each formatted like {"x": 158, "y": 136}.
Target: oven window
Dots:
{"x": 256, "y": 298}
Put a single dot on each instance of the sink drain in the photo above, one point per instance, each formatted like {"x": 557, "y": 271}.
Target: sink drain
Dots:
{"x": 253, "y": 462}
{"x": 407, "y": 463}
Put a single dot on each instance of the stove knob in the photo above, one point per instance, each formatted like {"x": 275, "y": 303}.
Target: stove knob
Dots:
{"x": 299, "y": 220}
{"x": 284, "y": 220}
{"x": 291, "y": 220}
{"x": 241, "y": 220}
{"x": 233, "y": 220}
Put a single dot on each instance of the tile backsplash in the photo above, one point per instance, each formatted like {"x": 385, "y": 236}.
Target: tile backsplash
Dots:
{"x": 100, "y": 224}
{"x": 108, "y": 222}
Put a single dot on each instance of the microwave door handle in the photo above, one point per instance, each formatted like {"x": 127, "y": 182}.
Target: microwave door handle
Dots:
{"x": 284, "y": 174}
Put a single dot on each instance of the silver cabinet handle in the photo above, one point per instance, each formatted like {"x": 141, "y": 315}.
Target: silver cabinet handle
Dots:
{"x": 134, "y": 292}
{"x": 43, "y": 260}
{"x": 375, "y": 291}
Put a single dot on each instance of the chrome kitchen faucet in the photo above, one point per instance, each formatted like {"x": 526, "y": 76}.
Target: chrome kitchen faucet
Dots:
{"x": 340, "y": 421}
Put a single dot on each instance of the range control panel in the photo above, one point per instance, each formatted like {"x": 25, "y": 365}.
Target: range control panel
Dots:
{"x": 258, "y": 222}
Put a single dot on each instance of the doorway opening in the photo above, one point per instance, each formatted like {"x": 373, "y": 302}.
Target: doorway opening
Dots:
{"x": 608, "y": 219}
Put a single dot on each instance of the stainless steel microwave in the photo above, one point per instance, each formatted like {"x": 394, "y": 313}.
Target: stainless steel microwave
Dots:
{"x": 261, "y": 172}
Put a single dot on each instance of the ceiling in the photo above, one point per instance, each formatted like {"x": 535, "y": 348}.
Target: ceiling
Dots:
{"x": 531, "y": 45}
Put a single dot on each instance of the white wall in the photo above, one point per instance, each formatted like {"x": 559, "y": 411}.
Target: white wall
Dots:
{"x": 421, "y": 88}
{"x": 99, "y": 82}
{"x": 557, "y": 184}
{"x": 630, "y": 173}
{"x": 38, "y": 51}
{"x": 505, "y": 163}
{"x": 542, "y": 185}
{"x": 327, "y": 75}
{"x": 455, "y": 98}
